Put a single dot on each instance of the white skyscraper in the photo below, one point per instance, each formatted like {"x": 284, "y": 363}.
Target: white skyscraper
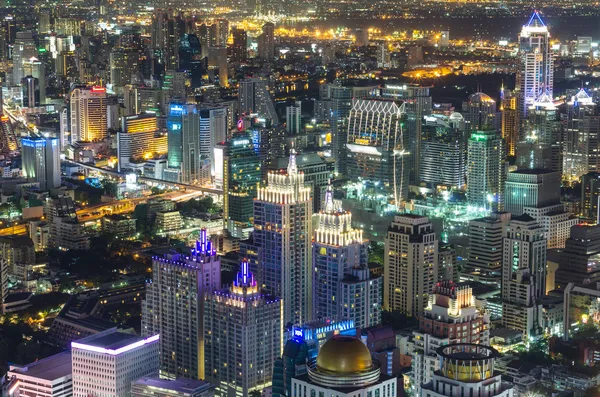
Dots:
{"x": 173, "y": 307}
{"x": 243, "y": 335}
{"x": 88, "y": 114}
{"x": 106, "y": 363}
{"x": 523, "y": 274}
{"x": 536, "y": 73}
{"x": 282, "y": 236}
{"x": 410, "y": 264}
{"x": 213, "y": 130}
{"x": 342, "y": 285}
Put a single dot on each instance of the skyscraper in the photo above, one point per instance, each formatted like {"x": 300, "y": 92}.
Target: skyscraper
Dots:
{"x": 23, "y": 50}
{"x": 138, "y": 139}
{"x": 293, "y": 118}
{"x": 510, "y": 122}
{"x": 30, "y": 90}
{"x": 41, "y": 161}
{"x": 480, "y": 112}
{"x": 254, "y": 97}
{"x": 450, "y": 317}
{"x": 174, "y": 307}
{"x": 183, "y": 129}
{"x": 523, "y": 274}
{"x": 531, "y": 188}
{"x": 578, "y": 262}
{"x": 213, "y": 129}
{"x": 590, "y": 196}
{"x": 88, "y": 114}
{"x": 342, "y": 285}
{"x": 243, "y": 335}
{"x": 485, "y": 170}
{"x": 239, "y": 51}
{"x": 535, "y": 76}
{"x": 410, "y": 264}
{"x": 283, "y": 234}
{"x": 266, "y": 42}
{"x": 376, "y": 146}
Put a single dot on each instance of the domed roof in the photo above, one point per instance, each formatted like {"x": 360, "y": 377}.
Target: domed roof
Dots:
{"x": 480, "y": 97}
{"x": 344, "y": 355}
{"x": 456, "y": 117}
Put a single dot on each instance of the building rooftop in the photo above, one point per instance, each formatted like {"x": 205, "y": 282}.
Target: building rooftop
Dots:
{"x": 17, "y": 241}
{"x": 112, "y": 341}
{"x": 533, "y": 171}
{"x": 179, "y": 385}
{"x": 50, "y": 368}
{"x": 17, "y": 297}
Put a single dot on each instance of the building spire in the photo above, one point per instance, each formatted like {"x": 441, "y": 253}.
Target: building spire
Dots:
{"x": 329, "y": 207}
{"x": 244, "y": 282}
{"x": 292, "y": 166}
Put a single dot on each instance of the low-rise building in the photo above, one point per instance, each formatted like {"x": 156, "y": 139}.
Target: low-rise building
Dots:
{"x": 119, "y": 225}
{"x": 49, "y": 377}
{"x": 180, "y": 387}
{"x": 167, "y": 221}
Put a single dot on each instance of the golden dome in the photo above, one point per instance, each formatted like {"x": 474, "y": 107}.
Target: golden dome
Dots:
{"x": 344, "y": 355}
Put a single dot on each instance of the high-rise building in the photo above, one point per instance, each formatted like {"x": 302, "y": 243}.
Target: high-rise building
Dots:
{"x": 266, "y": 42}
{"x": 254, "y": 97}
{"x": 383, "y": 55}
{"x": 543, "y": 129}
{"x": 523, "y": 274}
{"x": 535, "y": 76}
{"x": 578, "y": 261}
{"x": 283, "y": 234}
{"x": 485, "y": 246}
{"x": 213, "y": 129}
{"x": 243, "y": 335}
{"x": 239, "y": 51}
{"x": 443, "y": 154}
{"x": 222, "y": 32}
{"x": 23, "y": 50}
{"x": 174, "y": 307}
{"x": 450, "y": 317}
{"x": 139, "y": 139}
{"x": 376, "y": 146}
{"x": 590, "y": 196}
{"x": 410, "y": 264}
{"x": 41, "y": 161}
{"x": 486, "y": 170}
{"x": 480, "y": 112}
{"x": 238, "y": 171}
{"x": 30, "y": 91}
{"x": 342, "y": 285}
{"x": 510, "y": 122}
{"x": 124, "y": 63}
{"x": 581, "y": 124}
{"x": 217, "y": 59}
{"x": 466, "y": 370}
{"x": 531, "y": 188}
{"x": 183, "y": 129}
{"x": 123, "y": 358}
{"x": 88, "y": 114}
{"x": 344, "y": 367}
{"x": 293, "y": 118}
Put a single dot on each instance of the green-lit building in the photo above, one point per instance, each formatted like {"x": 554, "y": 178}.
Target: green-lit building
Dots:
{"x": 238, "y": 170}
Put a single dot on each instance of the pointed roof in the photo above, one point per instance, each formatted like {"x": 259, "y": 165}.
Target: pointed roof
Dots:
{"x": 329, "y": 206}
{"x": 292, "y": 166}
{"x": 535, "y": 21}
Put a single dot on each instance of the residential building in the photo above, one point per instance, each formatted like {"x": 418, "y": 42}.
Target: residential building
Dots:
{"x": 18, "y": 255}
{"x": 480, "y": 112}
{"x": 89, "y": 113}
{"x": 121, "y": 226}
{"x": 486, "y": 170}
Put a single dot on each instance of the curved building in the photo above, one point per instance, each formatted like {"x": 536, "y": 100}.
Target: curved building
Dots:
{"x": 466, "y": 370}
{"x": 344, "y": 367}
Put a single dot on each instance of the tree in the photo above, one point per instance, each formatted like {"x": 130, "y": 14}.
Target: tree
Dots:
{"x": 255, "y": 393}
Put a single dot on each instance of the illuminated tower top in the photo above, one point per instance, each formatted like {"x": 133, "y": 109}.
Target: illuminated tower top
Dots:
{"x": 204, "y": 251}
{"x": 286, "y": 188}
{"x": 334, "y": 226}
{"x": 244, "y": 283}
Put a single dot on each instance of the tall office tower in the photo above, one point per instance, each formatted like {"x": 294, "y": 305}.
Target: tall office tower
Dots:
{"x": 88, "y": 114}
{"x": 341, "y": 103}
{"x": 139, "y": 139}
{"x": 283, "y": 233}
{"x": 254, "y": 97}
{"x": 410, "y": 264}
{"x": 183, "y": 129}
{"x": 36, "y": 69}
{"x": 531, "y": 188}
{"x": 238, "y": 172}
{"x": 23, "y": 50}
{"x": 266, "y": 42}
{"x": 217, "y": 59}
{"x": 173, "y": 307}
{"x": 222, "y": 32}
{"x": 293, "y": 118}
{"x": 124, "y": 64}
{"x": 523, "y": 274}
{"x": 467, "y": 370}
{"x": 443, "y": 154}
{"x": 41, "y": 161}
{"x": 480, "y": 112}
{"x": 239, "y": 51}
{"x": 510, "y": 122}
{"x": 577, "y": 263}
{"x": 486, "y": 170}
{"x": 535, "y": 76}
{"x": 383, "y": 56}
{"x": 123, "y": 358}
{"x": 243, "y": 336}
{"x": 417, "y": 103}
{"x": 30, "y": 91}
{"x": 415, "y": 56}
{"x": 485, "y": 247}
{"x": 376, "y": 146}
{"x": 340, "y": 256}
{"x": 213, "y": 129}
{"x": 581, "y": 124}
{"x": 590, "y": 196}
{"x": 450, "y": 317}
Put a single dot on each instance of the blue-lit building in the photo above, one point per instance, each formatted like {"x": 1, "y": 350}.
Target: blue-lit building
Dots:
{"x": 41, "y": 161}
{"x": 183, "y": 129}
{"x": 243, "y": 335}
